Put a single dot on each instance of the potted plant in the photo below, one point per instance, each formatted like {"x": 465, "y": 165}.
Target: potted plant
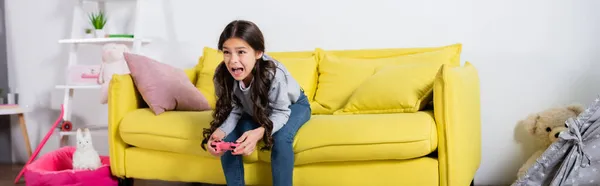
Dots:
{"x": 88, "y": 33}
{"x": 98, "y": 20}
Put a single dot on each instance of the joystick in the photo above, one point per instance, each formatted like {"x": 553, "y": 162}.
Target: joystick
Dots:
{"x": 221, "y": 145}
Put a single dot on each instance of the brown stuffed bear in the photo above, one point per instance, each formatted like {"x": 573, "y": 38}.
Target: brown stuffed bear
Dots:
{"x": 545, "y": 126}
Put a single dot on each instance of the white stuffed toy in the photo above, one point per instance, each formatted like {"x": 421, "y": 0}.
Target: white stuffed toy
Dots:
{"x": 85, "y": 156}
{"x": 113, "y": 62}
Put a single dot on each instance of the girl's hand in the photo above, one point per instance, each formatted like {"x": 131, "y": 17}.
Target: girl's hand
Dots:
{"x": 217, "y": 135}
{"x": 247, "y": 142}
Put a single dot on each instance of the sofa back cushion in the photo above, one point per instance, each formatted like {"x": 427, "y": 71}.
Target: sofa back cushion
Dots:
{"x": 301, "y": 64}
{"x": 378, "y": 80}
{"x": 303, "y": 67}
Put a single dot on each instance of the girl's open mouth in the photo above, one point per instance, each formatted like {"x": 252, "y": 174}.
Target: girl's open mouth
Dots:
{"x": 237, "y": 71}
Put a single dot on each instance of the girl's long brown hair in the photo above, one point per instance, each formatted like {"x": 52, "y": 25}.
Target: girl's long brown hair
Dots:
{"x": 263, "y": 73}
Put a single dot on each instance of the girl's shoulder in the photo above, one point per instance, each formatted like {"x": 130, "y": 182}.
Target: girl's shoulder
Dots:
{"x": 280, "y": 70}
{"x": 280, "y": 73}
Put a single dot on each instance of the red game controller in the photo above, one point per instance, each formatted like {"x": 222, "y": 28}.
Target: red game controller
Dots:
{"x": 221, "y": 145}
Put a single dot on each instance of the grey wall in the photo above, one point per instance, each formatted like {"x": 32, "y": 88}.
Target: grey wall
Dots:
{"x": 5, "y": 143}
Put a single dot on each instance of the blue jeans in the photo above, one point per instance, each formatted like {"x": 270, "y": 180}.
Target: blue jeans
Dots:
{"x": 282, "y": 153}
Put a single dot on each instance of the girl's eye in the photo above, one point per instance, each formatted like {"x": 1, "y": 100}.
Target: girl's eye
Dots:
{"x": 242, "y": 52}
{"x": 225, "y": 52}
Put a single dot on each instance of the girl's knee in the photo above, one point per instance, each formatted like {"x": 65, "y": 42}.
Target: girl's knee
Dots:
{"x": 282, "y": 139}
{"x": 281, "y": 149}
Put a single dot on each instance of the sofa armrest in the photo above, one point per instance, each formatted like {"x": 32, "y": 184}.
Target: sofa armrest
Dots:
{"x": 123, "y": 98}
{"x": 457, "y": 114}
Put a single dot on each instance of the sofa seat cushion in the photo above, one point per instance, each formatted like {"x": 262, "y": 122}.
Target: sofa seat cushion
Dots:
{"x": 173, "y": 131}
{"x": 330, "y": 138}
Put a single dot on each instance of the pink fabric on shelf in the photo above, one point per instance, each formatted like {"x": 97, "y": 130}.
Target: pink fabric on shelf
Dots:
{"x": 56, "y": 169}
{"x": 164, "y": 87}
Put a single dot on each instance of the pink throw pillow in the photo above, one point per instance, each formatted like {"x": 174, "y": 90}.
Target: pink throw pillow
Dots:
{"x": 164, "y": 87}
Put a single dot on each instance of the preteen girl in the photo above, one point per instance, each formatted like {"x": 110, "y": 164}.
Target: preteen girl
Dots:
{"x": 257, "y": 99}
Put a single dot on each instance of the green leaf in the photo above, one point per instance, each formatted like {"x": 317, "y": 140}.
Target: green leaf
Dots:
{"x": 98, "y": 20}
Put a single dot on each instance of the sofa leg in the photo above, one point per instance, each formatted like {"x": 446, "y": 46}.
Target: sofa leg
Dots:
{"x": 125, "y": 181}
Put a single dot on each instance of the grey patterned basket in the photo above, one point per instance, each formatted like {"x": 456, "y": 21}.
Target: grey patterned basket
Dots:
{"x": 573, "y": 159}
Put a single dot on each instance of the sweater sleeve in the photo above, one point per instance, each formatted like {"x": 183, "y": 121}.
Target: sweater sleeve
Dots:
{"x": 232, "y": 119}
{"x": 280, "y": 103}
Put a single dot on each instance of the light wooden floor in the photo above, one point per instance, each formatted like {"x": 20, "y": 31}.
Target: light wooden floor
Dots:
{"x": 13, "y": 171}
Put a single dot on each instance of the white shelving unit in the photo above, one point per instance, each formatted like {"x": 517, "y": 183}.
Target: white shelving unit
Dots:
{"x": 77, "y": 39}
{"x": 101, "y": 41}
{"x": 78, "y": 86}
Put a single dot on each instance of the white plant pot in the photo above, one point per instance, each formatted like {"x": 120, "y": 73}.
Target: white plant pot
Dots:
{"x": 11, "y": 98}
{"x": 99, "y": 33}
{"x": 89, "y": 35}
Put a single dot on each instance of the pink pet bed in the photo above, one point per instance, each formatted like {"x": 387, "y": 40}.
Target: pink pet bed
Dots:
{"x": 56, "y": 168}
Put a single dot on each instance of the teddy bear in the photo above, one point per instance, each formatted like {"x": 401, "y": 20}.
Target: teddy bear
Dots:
{"x": 113, "y": 62}
{"x": 546, "y": 126}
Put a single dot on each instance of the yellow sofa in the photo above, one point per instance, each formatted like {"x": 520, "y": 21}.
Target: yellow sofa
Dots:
{"x": 399, "y": 116}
